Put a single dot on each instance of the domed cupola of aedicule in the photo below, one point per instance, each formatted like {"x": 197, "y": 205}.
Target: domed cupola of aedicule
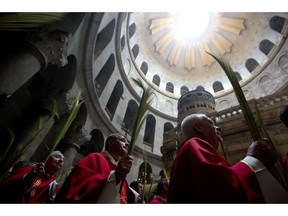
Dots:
{"x": 195, "y": 101}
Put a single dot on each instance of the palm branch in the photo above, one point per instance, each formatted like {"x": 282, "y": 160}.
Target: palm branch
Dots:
{"x": 254, "y": 130}
{"x": 12, "y": 137}
{"x": 166, "y": 174}
{"x": 255, "y": 133}
{"x": 145, "y": 173}
{"x": 141, "y": 114}
{"x": 28, "y": 21}
{"x": 150, "y": 188}
{"x": 66, "y": 125}
{"x": 20, "y": 151}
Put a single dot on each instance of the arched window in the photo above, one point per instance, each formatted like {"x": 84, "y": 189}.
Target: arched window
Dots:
{"x": 156, "y": 80}
{"x": 132, "y": 30}
{"x": 114, "y": 98}
{"x": 183, "y": 90}
{"x": 283, "y": 62}
{"x": 105, "y": 74}
{"x": 150, "y": 130}
{"x": 144, "y": 67}
{"x": 103, "y": 38}
{"x": 276, "y": 23}
{"x": 141, "y": 173}
{"x": 217, "y": 86}
{"x": 266, "y": 46}
{"x": 135, "y": 50}
{"x": 122, "y": 43}
{"x": 238, "y": 76}
{"x": 168, "y": 127}
{"x": 130, "y": 115}
{"x": 200, "y": 88}
{"x": 170, "y": 87}
{"x": 95, "y": 144}
{"x": 251, "y": 64}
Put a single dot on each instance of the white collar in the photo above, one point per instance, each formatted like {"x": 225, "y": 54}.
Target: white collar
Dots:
{"x": 112, "y": 160}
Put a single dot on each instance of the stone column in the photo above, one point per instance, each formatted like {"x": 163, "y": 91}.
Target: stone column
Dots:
{"x": 19, "y": 66}
{"x": 27, "y": 142}
{"x": 32, "y": 56}
{"x": 71, "y": 146}
{"x": 34, "y": 135}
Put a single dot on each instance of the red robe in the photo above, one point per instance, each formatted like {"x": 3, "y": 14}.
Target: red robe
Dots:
{"x": 11, "y": 188}
{"x": 201, "y": 175}
{"x": 87, "y": 179}
{"x": 157, "y": 200}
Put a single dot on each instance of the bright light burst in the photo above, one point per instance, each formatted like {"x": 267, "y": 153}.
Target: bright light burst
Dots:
{"x": 193, "y": 34}
{"x": 191, "y": 25}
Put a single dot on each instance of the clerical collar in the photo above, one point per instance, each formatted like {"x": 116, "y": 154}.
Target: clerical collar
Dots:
{"x": 111, "y": 158}
{"x": 161, "y": 198}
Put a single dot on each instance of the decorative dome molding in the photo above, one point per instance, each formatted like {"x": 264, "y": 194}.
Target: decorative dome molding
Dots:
{"x": 173, "y": 47}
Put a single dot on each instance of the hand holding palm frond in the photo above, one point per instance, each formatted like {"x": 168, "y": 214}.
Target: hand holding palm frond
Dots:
{"x": 254, "y": 130}
{"x": 140, "y": 116}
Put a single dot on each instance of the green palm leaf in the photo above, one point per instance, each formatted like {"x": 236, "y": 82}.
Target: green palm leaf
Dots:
{"x": 150, "y": 188}
{"x": 66, "y": 125}
{"x": 141, "y": 113}
{"x": 28, "y": 21}
{"x": 255, "y": 133}
{"x": 140, "y": 116}
{"x": 145, "y": 173}
{"x": 12, "y": 137}
{"x": 254, "y": 130}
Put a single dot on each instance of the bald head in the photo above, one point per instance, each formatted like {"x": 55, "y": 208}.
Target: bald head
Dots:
{"x": 201, "y": 126}
{"x": 189, "y": 123}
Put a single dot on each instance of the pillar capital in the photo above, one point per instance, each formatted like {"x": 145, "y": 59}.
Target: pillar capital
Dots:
{"x": 52, "y": 45}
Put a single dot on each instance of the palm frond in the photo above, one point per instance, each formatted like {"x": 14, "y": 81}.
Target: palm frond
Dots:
{"x": 254, "y": 129}
{"x": 145, "y": 173}
{"x": 28, "y": 21}
{"x": 64, "y": 128}
{"x": 12, "y": 137}
{"x": 255, "y": 133}
{"x": 145, "y": 102}
{"x": 166, "y": 175}
{"x": 150, "y": 188}
{"x": 279, "y": 169}
{"x": 20, "y": 151}
{"x": 141, "y": 113}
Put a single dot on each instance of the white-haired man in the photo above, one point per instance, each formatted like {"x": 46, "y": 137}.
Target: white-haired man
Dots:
{"x": 33, "y": 183}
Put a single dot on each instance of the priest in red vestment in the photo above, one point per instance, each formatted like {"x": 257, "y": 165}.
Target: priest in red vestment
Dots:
{"x": 32, "y": 183}
{"x": 97, "y": 177}
{"x": 201, "y": 175}
{"x": 162, "y": 192}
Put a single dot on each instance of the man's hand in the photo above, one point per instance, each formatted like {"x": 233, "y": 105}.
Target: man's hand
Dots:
{"x": 123, "y": 167}
{"x": 263, "y": 151}
{"x": 39, "y": 168}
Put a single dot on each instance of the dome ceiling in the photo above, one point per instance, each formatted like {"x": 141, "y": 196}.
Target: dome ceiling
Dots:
{"x": 172, "y": 46}
{"x": 184, "y": 61}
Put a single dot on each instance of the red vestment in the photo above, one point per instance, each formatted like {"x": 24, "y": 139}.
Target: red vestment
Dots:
{"x": 87, "y": 179}
{"x": 201, "y": 175}
{"x": 12, "y": 187}
{"x": 157, "y": 200}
